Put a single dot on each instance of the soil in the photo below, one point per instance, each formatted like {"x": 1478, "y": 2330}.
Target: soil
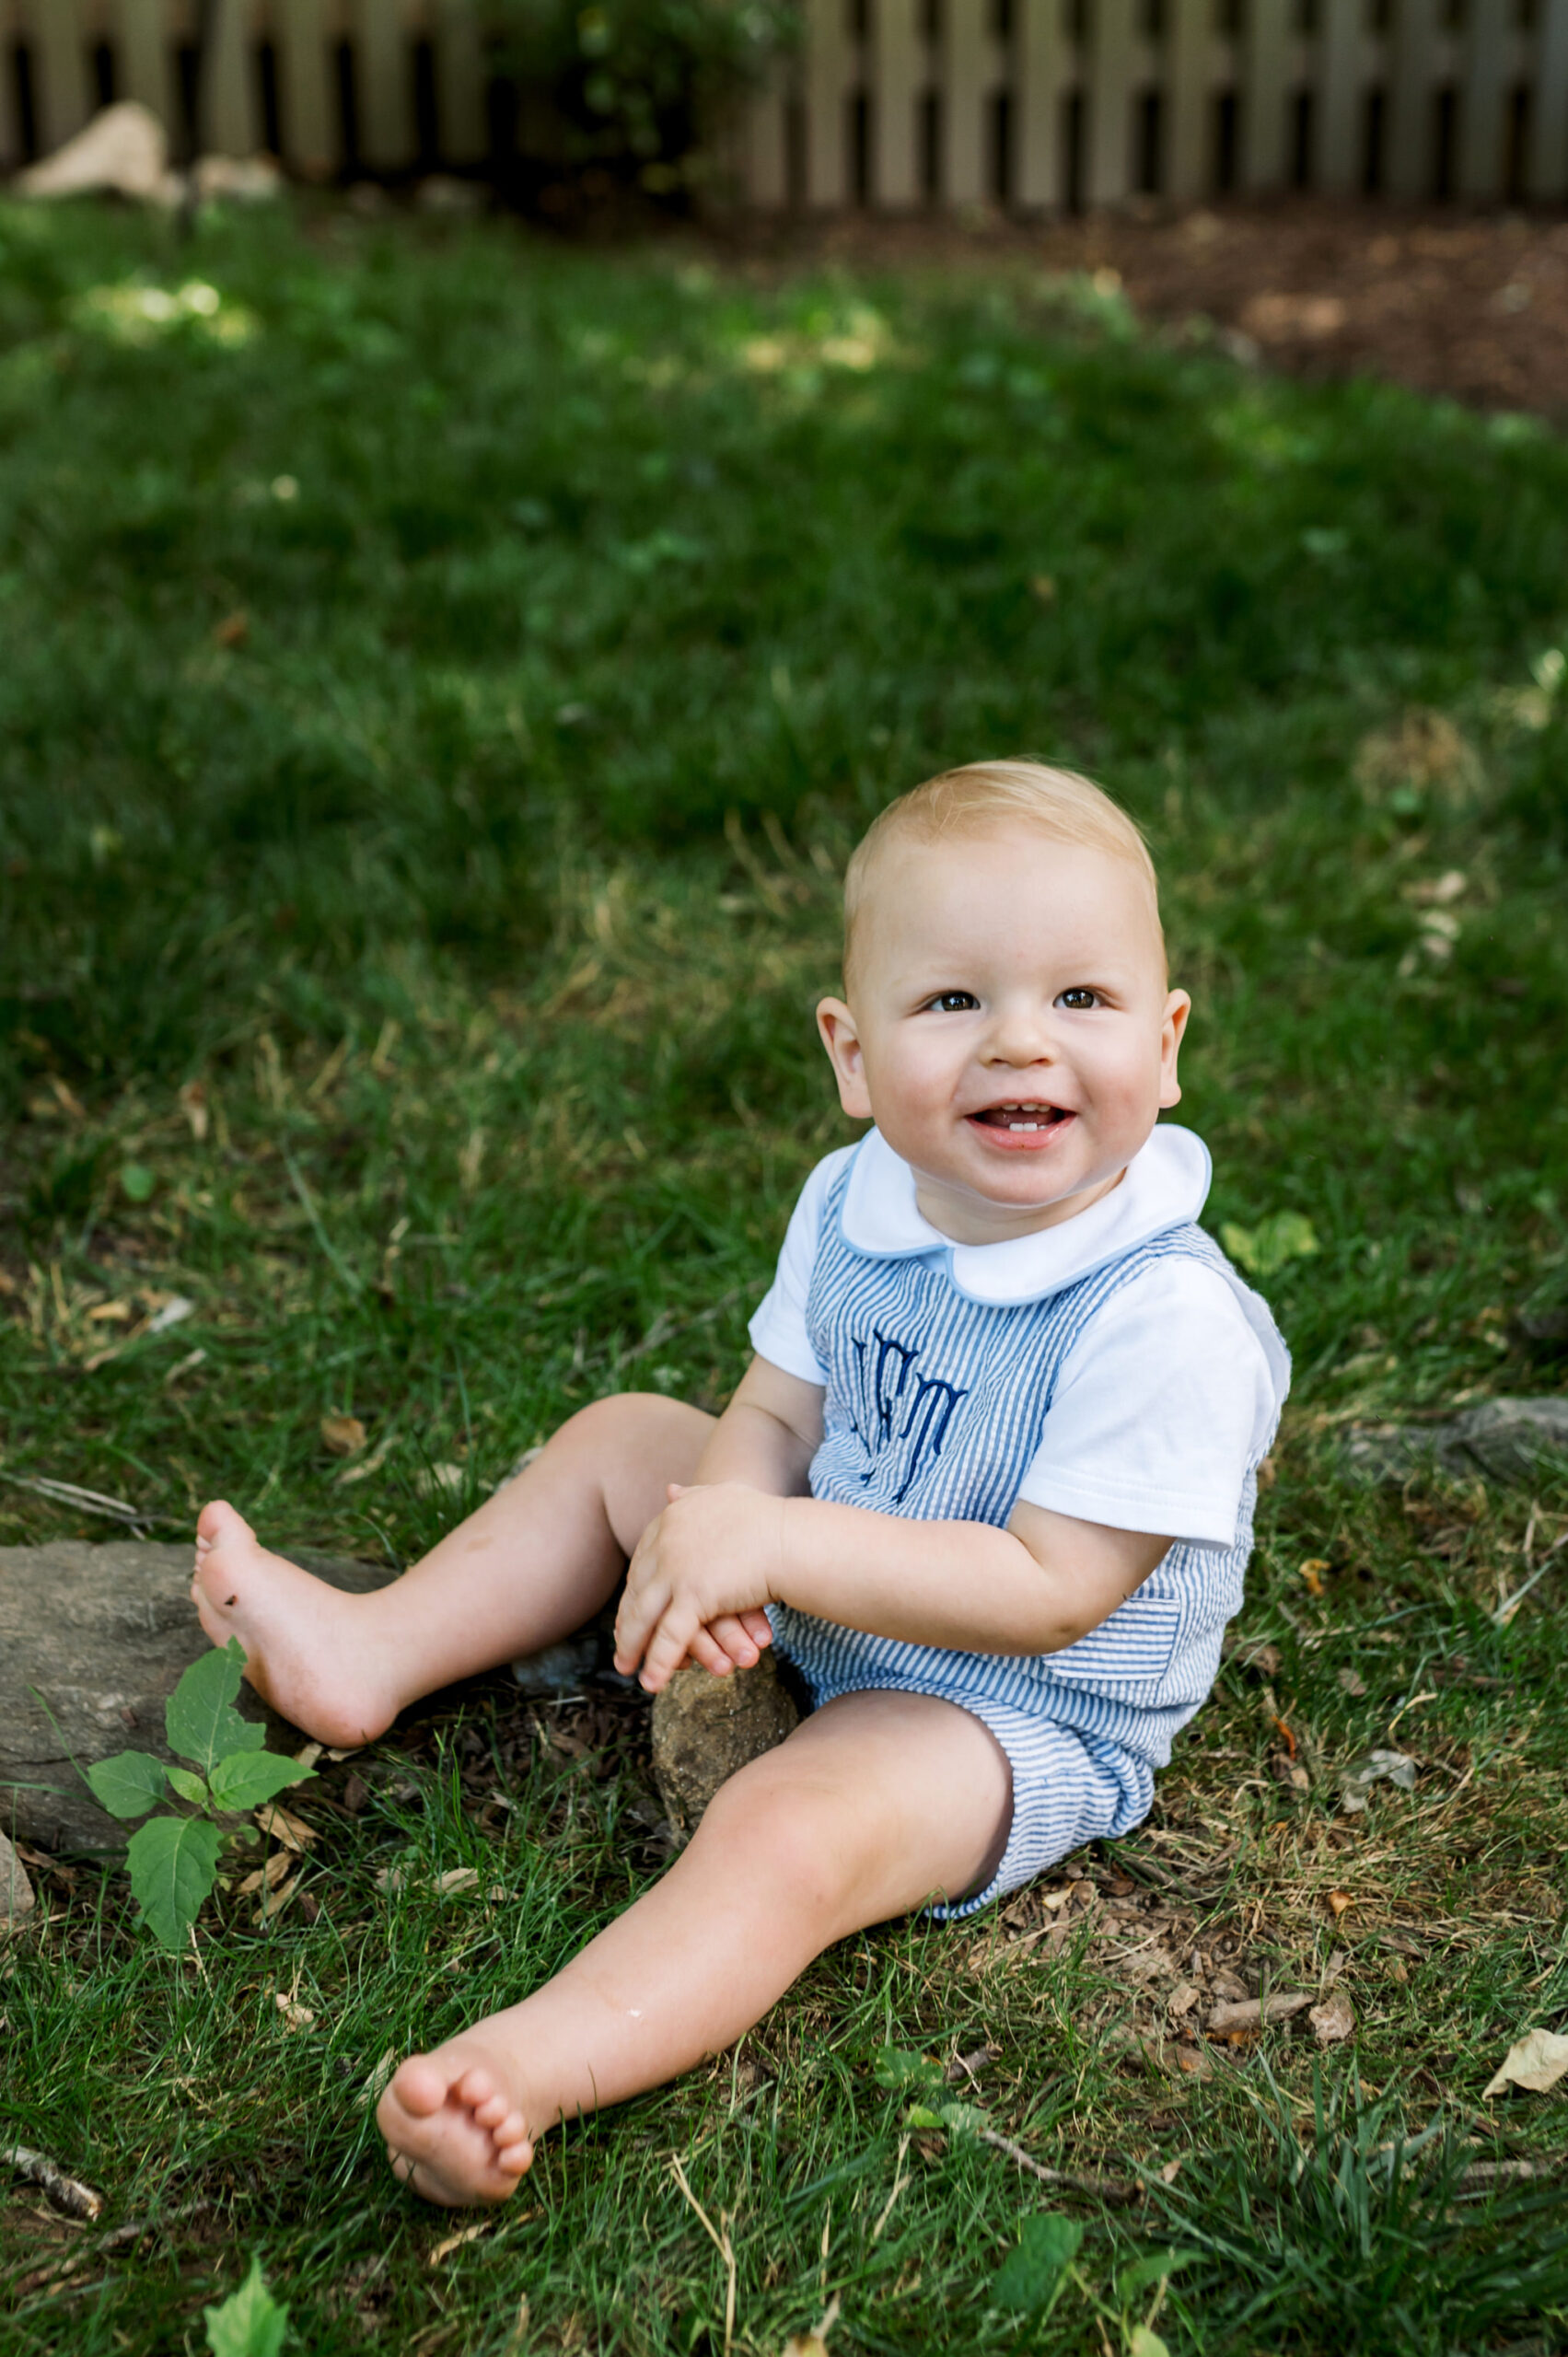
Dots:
{"x": 1472, "y": 307}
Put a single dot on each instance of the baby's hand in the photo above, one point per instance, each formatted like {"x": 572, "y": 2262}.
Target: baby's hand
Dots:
{"x": 698, "y": 1582}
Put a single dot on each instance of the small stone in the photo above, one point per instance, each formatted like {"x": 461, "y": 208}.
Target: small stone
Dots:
{"x": 706, "y": 1728}
{"x": 16, "y": 1900}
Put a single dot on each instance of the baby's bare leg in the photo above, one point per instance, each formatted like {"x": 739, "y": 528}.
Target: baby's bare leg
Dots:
{"x": 530, "y": 1565}
{"x": 875, "y": 1803}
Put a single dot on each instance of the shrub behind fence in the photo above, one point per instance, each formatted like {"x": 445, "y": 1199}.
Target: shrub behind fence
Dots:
{"x": 894, "y": 104}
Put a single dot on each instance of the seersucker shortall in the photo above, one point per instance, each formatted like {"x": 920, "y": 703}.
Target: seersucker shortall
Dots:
{"x": 934, "y": 1408}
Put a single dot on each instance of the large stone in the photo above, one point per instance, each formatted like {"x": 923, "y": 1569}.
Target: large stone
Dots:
{"x": 16, "y": 1901}
{"x": 1503, "y": 1440}
{"x": 706, "y": 1728}
{"x": 93, "y": 1640}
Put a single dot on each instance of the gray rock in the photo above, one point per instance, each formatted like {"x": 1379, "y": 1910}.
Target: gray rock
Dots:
{"x": 706, "y": 1728}
{"x": 1503, "y": 1440}
{"x": 16, "y": 1901}
{"x": 93, "y": 1640}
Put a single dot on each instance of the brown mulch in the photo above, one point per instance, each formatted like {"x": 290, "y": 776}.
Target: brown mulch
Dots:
{"x": 1469, "y": 306}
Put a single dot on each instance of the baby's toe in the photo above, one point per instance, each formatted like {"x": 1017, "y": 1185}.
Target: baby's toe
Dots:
{"x": 511, "y": 2132}
{"x": 476, "y": 2087}
{"x": 491, "y": 2111}
{"x": 418, "y": 2087}
{"x": 513, "y": 2159}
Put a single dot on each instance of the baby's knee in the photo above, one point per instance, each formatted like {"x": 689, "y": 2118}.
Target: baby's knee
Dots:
{"x": 810, "y": 1833}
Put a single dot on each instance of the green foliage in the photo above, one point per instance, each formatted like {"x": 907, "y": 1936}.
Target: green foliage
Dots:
{"x": 1285, "y": 1235}
{"x": 200, "y": 1718}
{"x": 174, "y": 1860}
{"x": 1030, "y": 2279}
{"x": 249, "y": 2323}
{"x": 640, "y": 83}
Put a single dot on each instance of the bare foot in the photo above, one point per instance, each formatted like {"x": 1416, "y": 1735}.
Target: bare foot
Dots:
{"x": 309, "y": 1649}
{"x": 454, "y": 2130}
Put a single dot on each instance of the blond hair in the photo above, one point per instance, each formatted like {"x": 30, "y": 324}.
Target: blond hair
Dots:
{"x": 981, "y": 794}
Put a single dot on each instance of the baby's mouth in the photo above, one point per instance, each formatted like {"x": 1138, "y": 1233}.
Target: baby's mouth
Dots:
{"x": 1021, "y": 1121}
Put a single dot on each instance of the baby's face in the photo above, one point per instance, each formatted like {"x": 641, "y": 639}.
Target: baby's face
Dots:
{"x": 1008, "y": 1025}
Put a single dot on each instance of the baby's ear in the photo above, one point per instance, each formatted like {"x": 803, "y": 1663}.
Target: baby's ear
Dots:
{"x": 1177, "y": 1008}
{"x": 841, "y": 1039}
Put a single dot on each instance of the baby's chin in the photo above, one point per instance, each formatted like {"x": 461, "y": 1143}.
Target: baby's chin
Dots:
{"x": 1016, "y": 1197}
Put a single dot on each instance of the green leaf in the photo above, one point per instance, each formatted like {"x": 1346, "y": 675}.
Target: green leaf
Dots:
{"x": 1284, "y": 1235}
{"x": 137, "y": 1182}
{"x": 1141, "y": 2342}
{"x": 173, "y": 1860}
{"x": 203, "y": 1722}
{"x": 1151, "y": 2269}
{"x": 967, "y": 2117}
{"x": 246, "y": 1779}
{"x": 129, "y": 1784}
{"x": 920, "y": 2115}
{"x": 1030, "y": 2276}
{"x": 189, "y": 1788}
{"x": 249, "y": 2323}
{"x": 900, "y": 2066}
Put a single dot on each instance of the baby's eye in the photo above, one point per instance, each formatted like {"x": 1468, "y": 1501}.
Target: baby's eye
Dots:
{"x": 953, "y": 1002}
{"x": 1079, "y": 997}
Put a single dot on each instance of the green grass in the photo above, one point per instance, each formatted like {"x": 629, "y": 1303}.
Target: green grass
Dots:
{"x": 415, "y": 977}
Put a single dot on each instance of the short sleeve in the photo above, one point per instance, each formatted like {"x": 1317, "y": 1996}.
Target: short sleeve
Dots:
{"x": 1161, "y": 1409}
{"x": 778, "y": 1330}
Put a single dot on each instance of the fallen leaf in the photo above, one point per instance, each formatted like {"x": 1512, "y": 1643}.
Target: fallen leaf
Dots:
{"x": 295, "y": 2015}
{"x": 193, "y": 1105}
{"x": 1252, "y": 2012}
{"x": 1339, "y": 1901}
{"x": 1312, "y": 1571}
{"x": 1536, "y": 2061}
{"x": 1332, "y": 2020}
{"x": 280, "y": 1864}
{"x": 110, "y": 1311}
{"x": 1184, "y": 1998}
{"x": 1357, "y": 1779}
{"x": 173, "y": 1313}
{"x": 432, "y": 1479}
{"x": 291, "y": 1830}
{"x": 307, "y": 1755}
{"x": 344, "y": 1435}
{"x": 456, "y": 1879}
{"x": 813, "y": 2344}
{"x": 366, "y": 1465}
{"x": 1351, "y": 1683}
{"x": 277, "y": 1900}
{"x": 456, "y": 2242}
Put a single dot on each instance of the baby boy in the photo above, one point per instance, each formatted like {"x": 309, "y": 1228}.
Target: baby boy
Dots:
{"x": 988, "y": 1481}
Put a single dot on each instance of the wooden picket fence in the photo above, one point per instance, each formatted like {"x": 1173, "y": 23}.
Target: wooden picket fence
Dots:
{"x": 892, "y": 104}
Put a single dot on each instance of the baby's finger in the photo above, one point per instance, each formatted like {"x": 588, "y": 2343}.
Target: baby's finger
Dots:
{"x": 731, "y": 1634}
{"x": 668, "y": 1647}
{"x": 758, "y": 1626}
{"x": 639, "y": 1616}
{"x": 715, "y": 1654}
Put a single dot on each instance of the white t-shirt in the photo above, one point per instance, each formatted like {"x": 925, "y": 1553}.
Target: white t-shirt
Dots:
{"x": 1169, "y": 1398}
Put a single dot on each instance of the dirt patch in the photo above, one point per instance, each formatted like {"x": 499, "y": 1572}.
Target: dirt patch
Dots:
{"x": 1474, "y": 308}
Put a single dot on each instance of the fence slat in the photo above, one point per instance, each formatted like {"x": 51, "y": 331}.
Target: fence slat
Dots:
{"x": 1042, "y": 65}
{"x": 460, "y": 83}
{"x": 1546, "y": 165}
{"x": 827, "y": 76}
{"x": 963, "y": 102}
{"x": 1338, "y": 161}
{"x": 1110, "y": 101}
{"x": 1263, "y": 146}
{"x": 898, "y": 75}
{"x": 62, "y": 101}
{"x": 765, "y": 131}
{"x": 1408, "y": 170}
{"x": 144, "y": 63}
{"x": 229, "y": 117}
{"x": 1481, "y": 103}
{"x": 311, "y": 143}
{"x": 383, "y": 86}
{"x": 1186, "y": 163}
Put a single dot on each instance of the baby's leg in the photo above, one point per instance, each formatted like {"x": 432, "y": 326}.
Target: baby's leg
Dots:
{"x": 530, "y": 1565}
{"x": 876, "y": 1803}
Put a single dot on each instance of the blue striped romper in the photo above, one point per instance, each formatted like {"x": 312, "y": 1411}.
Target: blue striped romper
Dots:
{"x": 935, "y": 1405}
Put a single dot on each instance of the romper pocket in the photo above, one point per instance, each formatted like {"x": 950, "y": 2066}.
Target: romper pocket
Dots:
{"x": 1132, "y": 1650}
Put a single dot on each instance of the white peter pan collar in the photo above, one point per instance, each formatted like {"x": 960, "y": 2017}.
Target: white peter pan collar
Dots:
{"x": 1163, "y": 1187}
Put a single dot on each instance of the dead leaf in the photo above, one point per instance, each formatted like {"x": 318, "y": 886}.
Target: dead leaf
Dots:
{"x": 280, "y": 1864}
{"x": 456, "y": 2242}
{"x": 343, "y": 1436}
{"x": 277, "y": 1900}
{"x": 1252, "y": 2012}
{"x": 1536, "y": 2061}
{"x": 1351, "y": 1683}
{"x": 1184, "y": 1998}
{"x": 366, "y": 1465}
{"x": 1312, "y": 1571}
{"x": 295, "y": 2015}
{"x": 193, "y": 1105}
{"x": 285, "y": 1827}
{"x": 111, "y": 1312}
{"x": 1339, "y": 1903}
{"x": 307, "y": 1755}
{"x": 813, "y": 2344}
{"x": 1332, "y": 2020}
{"x": 1357, "y": 1779}
{"x": 432, "y": 1479}
{"x": 456, "y": 1879}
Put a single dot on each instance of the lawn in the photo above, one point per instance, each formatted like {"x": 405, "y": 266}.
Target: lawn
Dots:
{"x": 441, "y": 678}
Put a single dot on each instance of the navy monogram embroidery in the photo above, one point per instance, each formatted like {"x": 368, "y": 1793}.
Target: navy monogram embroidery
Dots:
{"x": 898, "y": 1408}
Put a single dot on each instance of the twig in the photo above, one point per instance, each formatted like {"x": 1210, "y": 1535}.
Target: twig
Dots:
{"x": 721, "y": 2244}
{"x": 66, "y": 1493}
{"x": 1104, "y": 2188}
{"x": 67, "y": 2193}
